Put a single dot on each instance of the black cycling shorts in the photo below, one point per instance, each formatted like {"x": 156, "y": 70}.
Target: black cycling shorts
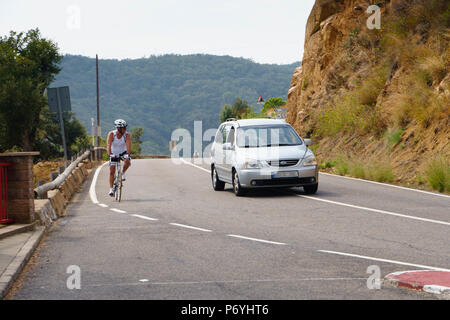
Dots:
{"x": 113, "y": 161}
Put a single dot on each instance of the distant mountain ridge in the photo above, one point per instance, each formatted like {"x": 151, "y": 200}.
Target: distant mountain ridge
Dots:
{"x": 163, "y": 93}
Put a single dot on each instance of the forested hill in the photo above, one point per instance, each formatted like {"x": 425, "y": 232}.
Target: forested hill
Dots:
{"x": 162, "y": 93}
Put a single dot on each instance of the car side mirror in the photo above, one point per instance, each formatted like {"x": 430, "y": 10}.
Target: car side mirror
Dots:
{"x": 308, "y": 142}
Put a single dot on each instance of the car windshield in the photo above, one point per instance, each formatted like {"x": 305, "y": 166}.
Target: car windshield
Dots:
{"x": 267, "y": 136}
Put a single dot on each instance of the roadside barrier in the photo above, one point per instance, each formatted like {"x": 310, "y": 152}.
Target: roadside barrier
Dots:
{"x": 41, "y": 191}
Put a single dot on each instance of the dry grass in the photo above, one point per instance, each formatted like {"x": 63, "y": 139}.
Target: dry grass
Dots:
{"x": 436, "y": 65}
{"x": 419, "y": 103}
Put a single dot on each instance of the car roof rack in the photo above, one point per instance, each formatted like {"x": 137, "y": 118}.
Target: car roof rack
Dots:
{"x": 231, "y": 119}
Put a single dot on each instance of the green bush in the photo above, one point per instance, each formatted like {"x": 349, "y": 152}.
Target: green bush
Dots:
{"x": 327, "y": 165}
{"x": 437, "y": 174}
{"x": 394, "y": 136}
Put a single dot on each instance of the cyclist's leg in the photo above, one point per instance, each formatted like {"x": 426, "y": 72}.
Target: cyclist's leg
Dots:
{"x": 126, "y": 164}
{"x": 112, "y": 171}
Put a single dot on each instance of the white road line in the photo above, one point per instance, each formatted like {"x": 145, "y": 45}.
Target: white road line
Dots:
{"x": 189, "y": 163}
{"x": 384, "y": 260}
{"x": 117, "y": 210}
{"x": 258, "y": 240}
{"x": 359, "y": 207}
{"x": 140, "y": 283}
{"x": 143, "y": 217}
{"x": 376, "y": 210}
{"x": 386, "y": 184}
{"x": 190, "y": 227}
{"x": 103, "y": 205}
{"x": 92, "y": 193}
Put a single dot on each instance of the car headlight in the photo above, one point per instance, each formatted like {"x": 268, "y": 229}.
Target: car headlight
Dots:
{"x": 309, "y": 161}
{"x": 255, "y": 164}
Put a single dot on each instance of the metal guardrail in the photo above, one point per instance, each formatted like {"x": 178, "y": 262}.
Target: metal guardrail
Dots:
{"x": 41, "y": 191}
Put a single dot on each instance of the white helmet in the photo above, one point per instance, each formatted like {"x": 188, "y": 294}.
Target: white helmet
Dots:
{"x": 119, "y": 123}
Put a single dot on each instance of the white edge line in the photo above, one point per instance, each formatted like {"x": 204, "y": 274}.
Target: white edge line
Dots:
{"x": 351, "y": 178}
{"x": 254, "y": 239}
{"x": 377, "y": 210}
{"x": 359, "y": 207}
{"x": 386, "y": 184}
{"x": 189, "y": 163}
{"x": 143, "y": 217}
{"x": 92, "y": 193}
{"x": 190, "y": 227}
{"x": 103, "y": 205}
{"x": 117, "y": 210}
{"x": 384, "y": 260}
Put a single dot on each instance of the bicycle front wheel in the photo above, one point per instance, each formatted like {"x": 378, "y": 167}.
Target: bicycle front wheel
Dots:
{"x": 119, "y": 187}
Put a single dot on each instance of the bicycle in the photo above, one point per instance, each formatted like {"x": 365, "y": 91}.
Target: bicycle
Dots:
{"x": 118, "y": 184}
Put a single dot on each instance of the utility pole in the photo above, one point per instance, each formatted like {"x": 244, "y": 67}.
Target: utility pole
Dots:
{"x": 63, "y": 133}
{"x": 98, "y": 105}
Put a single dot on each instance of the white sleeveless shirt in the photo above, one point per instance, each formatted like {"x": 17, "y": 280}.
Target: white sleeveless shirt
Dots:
{"x": 118, "y": 145}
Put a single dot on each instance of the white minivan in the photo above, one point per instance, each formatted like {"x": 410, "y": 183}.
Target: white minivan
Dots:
{"x": 257, "y": 153}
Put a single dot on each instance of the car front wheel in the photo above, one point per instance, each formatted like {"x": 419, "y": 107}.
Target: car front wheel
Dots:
{"x": 238, "y": 190}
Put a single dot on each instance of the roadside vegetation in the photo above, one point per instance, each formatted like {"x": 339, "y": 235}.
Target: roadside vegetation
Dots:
{"x": 136, "y": 140}
{"x": 369, "y": 169}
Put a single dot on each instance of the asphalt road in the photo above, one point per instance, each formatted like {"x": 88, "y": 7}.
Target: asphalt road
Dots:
{"x": 173, "y": 237}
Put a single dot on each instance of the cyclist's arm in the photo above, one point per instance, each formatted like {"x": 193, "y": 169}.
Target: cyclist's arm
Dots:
{"x": 109, "y": 142}
{"x": 128, "y": 142}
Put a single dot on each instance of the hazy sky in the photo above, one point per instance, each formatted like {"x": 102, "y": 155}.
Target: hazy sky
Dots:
{"x": 267, "y": 31}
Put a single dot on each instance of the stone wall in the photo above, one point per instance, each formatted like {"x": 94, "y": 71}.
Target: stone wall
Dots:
{"x": 20, "y": 186}
{"x": 49, "y": 210}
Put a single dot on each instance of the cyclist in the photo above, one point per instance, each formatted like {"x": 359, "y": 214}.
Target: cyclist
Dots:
{"x": 118, "y": 142}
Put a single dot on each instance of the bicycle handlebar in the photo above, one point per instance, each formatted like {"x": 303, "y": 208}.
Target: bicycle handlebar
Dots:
{"x": 120, "y": 156}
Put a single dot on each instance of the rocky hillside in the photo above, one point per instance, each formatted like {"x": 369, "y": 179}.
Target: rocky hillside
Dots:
{"x": 377, "y": 101}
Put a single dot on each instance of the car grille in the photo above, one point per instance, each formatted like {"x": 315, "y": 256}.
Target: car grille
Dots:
{"x": 284, "y": 181}
{"x": 283, "y": 163}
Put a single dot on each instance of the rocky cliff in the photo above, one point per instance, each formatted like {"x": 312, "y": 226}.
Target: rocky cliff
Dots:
{"x": 377, "y": 97}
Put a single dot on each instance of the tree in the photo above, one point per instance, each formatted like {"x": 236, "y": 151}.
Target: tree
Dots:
{"x": 136, "y": 134}
{"x": 240, "y": 107}
{"x": 48, "y": 135}
{"x": 238, "y": 110}
{"x": 226, "y": 113}
{"x": 273, "y": 103}
{"x": 28, "y": 64}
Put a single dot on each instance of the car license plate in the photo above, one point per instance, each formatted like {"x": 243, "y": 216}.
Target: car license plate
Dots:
{"x": 284, "y": 174}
